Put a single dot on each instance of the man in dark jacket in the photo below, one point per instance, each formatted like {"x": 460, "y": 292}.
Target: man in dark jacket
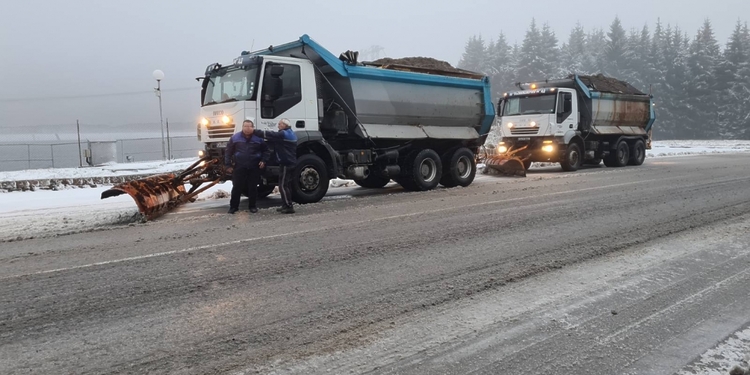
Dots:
{"x": 249, "y": 154}
{"x": 285, "y": 146}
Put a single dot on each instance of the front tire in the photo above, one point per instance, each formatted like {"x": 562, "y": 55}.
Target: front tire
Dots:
{"x": 311, "y": 179}
{"x": 572, "y": 159}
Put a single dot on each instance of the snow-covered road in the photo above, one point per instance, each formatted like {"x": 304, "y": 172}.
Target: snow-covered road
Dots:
{"x": 46, "y": 212}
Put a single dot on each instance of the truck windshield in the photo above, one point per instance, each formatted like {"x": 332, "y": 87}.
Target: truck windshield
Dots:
{"x": 537, "y": 104}
{"x": 228, "y": 85}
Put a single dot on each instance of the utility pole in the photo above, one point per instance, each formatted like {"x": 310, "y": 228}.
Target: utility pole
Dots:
{"x": 159, "y": 75}
{"x": 80, "y": 152}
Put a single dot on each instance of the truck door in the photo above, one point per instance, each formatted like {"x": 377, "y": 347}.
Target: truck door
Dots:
{"x": 281, "y": 96}
{"x": 566, "y": 120}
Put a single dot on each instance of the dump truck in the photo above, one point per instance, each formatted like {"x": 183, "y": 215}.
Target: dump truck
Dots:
{"x": 368, "y": 122}
{"x": 573, "y": 121}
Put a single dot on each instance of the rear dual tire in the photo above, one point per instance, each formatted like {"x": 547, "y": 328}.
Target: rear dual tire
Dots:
{"x": 422, "y": 170}
{"x": 459, "y": 168}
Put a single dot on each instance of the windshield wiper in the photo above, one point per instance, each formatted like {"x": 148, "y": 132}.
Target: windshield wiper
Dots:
{"x": 533, "y": 113}
{"x": 229, "y": 100}
{"x": 211, "y": 102}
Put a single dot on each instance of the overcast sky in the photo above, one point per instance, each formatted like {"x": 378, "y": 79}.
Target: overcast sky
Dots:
{"x": 97, "y": 48}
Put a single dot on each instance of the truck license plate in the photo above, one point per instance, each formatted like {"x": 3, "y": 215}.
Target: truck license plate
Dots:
{"x": 524, "y": 139}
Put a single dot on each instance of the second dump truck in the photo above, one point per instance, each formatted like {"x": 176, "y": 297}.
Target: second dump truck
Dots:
{"x": 574, "y": 121}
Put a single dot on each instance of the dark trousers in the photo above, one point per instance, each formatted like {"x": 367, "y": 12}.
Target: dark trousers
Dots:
{"x": 244, "y": 180}
{"x": 286, "y": 177}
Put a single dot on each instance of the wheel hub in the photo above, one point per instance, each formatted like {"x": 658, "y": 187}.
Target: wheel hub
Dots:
{"x": 309, "y": 178}
{"x": 464, "y": 167}
{"x": 428, "y": 170}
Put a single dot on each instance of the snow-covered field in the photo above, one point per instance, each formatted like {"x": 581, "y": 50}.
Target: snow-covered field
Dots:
{"x": 48, "y": 213}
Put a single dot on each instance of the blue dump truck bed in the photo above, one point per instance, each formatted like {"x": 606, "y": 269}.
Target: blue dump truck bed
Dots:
{"x": 401, "y": 102}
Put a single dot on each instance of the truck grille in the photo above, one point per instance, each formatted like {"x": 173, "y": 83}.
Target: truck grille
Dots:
{"x": 220, "y": 131}
{"x": 524, "y": 131}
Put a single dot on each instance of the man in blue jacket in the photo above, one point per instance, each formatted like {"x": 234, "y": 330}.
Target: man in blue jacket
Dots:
{"x": 249, "y": 154}
{"x": 285, "y": 147}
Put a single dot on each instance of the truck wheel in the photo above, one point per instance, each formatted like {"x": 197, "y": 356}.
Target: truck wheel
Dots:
{"x": 264, "y": 190}
{"x": 459, "y": 168}
{"x": 422, "y": 170}
{"x": 373, "y": 181}
{"x": 619, "y": 157}
{"x": 637, "y": 153}
{"x": 311, "y": 179}
{"x": 572, "y": 159}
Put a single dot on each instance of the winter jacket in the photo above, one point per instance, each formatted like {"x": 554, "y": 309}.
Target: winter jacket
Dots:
{"x": 284, "y": 144}
{"x": 246, "y": 152}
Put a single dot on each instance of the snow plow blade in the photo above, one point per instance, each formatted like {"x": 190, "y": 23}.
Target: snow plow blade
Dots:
{"x": 508, "y": 166}
{"x": 154, "y": 195}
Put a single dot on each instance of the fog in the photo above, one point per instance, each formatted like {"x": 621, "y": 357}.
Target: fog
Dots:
{"x": 93, "y": 60}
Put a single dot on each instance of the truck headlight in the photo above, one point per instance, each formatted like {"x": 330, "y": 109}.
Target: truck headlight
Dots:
{"x": 201, "y": 153}
{"x": 226, "y": 120}
{"x": 548, "y": 148}
{"x": 510, "y": 124}
{"x": 533, "y": 123}
{"x": 204, "y": 121}
{"x": 502, "y": 149}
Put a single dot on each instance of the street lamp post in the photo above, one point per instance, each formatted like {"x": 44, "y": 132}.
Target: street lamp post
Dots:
{"x": 159, "y": 75}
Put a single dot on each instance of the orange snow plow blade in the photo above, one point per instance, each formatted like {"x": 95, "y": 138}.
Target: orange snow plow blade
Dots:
{"x": 156, "y": 195}
{"x": 153, "y": 195}
{"x": 507, "y": 163}
{"x": 508, "y": 166}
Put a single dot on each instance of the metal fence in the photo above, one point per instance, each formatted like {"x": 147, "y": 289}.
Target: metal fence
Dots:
{"x": 19, "y": 156}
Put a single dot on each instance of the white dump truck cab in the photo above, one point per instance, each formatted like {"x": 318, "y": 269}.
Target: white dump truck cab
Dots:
{"x": 262, "y": 88}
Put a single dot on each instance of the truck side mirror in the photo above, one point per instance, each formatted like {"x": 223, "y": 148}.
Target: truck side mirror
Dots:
{"x": 276, "y": 70}
{"x": 272, "y": 88}
{"x": 272, "y": 84}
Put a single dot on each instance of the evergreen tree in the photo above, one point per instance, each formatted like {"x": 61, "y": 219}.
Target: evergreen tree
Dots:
{"x": 474, "y": 57}
{"x": 702, "y": 98}
{"x": 676, "y": 119}
{"x": 595, "y": 45}
{"x": 733, "y": 82}
{"x": 742, "y": 87}
{"x": 701, "y": 90}
{"x": 502, "y": 65}
{"x": 616, "y": 52}
{"x": 574, "y": 52}
{"x": 530, "y": 65}
{"x": 638, "y": 45}
{"x": 549, "y": 54}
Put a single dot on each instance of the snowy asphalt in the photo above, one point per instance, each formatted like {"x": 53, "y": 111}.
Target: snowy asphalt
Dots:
{"x": 635, "y": 270}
